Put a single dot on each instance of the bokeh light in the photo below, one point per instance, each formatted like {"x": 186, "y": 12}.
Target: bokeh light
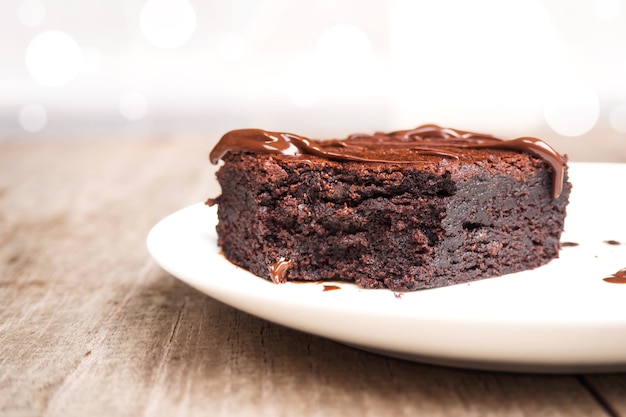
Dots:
{"x": 53, "y": 58}
{"x": 342, "y": 44}
{"x": 304, "y": 91}
{"x": 231, "y": 46}
{"x": 133, "y": 106}
{"x": 474, "y": 64}
{"x": 607, "y": 10}
{"x": 33, "y": 117}
{"x": 91, "y": 59}
{"x": 167, "y": 23}
{"x": 617, "y": 118}
{"x": 330, "y": 70}
{"x": 572, "y": 109}
{"x": 31, "y": 13}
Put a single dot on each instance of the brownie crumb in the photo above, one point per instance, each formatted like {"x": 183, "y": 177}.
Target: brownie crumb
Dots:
{"x": 569, "y": 244}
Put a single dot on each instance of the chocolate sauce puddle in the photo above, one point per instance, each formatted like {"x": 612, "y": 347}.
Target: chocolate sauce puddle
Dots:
{"x": 617, "y": 278}
{"x": 425, "y": 140}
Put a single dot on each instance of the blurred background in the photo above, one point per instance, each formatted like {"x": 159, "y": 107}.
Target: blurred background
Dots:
{"x": 326, "y": 68}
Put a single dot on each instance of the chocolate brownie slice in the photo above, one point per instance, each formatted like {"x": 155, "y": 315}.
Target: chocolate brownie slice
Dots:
{"x": 406, "y": 210}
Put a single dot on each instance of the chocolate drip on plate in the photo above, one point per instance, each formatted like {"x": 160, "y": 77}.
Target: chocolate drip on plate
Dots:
{"x": 617, "y": 278}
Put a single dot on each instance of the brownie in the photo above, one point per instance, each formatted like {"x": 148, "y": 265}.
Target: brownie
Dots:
{"x": 405, "y": 210}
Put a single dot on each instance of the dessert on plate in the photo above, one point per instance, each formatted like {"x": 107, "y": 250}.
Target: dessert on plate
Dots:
{"x": 406, "y": 210}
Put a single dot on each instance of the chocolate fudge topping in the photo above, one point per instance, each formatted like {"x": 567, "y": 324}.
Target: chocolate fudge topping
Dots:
{"x": 423, "y": 140}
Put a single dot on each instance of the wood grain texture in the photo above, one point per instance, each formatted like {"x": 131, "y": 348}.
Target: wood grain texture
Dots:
{"x": 90, "y": 326}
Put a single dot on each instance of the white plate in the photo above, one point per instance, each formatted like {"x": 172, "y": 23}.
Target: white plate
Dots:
{"x": 562, "y": 317}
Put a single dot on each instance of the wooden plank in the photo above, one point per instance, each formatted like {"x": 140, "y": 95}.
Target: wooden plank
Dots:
{"x": 609, "y": 390}
{"x": 89, "y": 325}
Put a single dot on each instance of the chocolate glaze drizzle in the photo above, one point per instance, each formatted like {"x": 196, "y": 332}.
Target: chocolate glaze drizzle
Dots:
{"x": 425, "y": 140}
{"x": 278, "y": 270}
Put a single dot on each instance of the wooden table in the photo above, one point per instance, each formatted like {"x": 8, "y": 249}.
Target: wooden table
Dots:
{"x": 90, "y": 326}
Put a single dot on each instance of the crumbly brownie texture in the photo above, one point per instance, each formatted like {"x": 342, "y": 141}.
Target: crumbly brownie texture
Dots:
{"x": 428, "y": 221}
